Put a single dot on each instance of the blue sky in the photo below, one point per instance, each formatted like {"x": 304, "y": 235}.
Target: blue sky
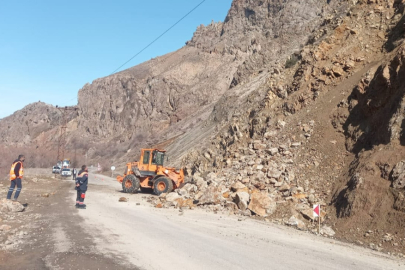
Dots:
{"x": 49, "y": 49}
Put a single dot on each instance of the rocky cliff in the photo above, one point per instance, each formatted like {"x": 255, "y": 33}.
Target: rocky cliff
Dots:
{"x": 25, "y": 126}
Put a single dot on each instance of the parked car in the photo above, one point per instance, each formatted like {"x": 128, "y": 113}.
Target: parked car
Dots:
{"x": 55, "y": 169}
{"x": 66, "y": 172}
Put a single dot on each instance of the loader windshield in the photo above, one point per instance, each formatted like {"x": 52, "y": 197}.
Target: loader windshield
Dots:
{"x": 158, "y": 158}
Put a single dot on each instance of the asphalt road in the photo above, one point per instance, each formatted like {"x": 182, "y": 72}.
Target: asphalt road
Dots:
{"x": 141, "y": 236}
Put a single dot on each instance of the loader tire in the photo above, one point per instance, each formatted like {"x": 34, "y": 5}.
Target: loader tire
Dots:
{"x": 162, "y": 185}
{"x": 130, "y": 184}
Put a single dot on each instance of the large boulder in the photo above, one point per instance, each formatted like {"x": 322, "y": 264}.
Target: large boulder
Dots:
{"x": 10, "y": 206}
{"x": 189, "y": 188}
{"x": 326, "y": 230}
{"x": 274, "y": 173}
{"x": 211, "y": 196}
{"x": 238, "y": 186}
{"x": 261, "y": 204}
{"x": 242, "y": 200}
{"x": 171, "y": 197}
{"x": 200, "y": 182}
{"x": 295, "y": 222}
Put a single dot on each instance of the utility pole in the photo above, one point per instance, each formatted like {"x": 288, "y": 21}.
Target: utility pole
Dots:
{"x": 74, "y": 159}
{"x": 62, "y": 135}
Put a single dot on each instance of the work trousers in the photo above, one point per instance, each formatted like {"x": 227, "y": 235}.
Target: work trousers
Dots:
{"x": 80, "y": 197}
{"x": 13, "y": 183}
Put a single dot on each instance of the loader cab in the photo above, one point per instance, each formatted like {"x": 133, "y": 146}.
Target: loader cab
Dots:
{"x": 151, "y": 159}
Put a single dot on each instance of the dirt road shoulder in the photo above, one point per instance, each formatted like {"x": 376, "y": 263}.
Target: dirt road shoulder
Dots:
{"x": 49, "y": 234}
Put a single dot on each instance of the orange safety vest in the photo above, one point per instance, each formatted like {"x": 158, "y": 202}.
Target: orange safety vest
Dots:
{"x": 12, "y": 173}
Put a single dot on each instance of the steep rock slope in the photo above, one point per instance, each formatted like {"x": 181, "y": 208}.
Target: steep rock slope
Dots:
{"x": 265, "y": 33}
{"x": 26, "y": 125}
{"x": 155, "y": 95}
{"x": 169, "y": 95}
{"x": 328, "y": 131}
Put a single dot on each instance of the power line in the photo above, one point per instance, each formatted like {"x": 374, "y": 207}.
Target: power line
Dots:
{"x": 147, "y": 46}
{"x": 156, "y": 39}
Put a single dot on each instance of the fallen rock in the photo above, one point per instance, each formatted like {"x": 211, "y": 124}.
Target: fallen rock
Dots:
{"x": 199, "y": 181}
{"x": 171, "y": 197}
{"x": 210, "y": 196}
{"x": 259, "y": 146}
{"x": 185, "y": 203}
{"x": 274, "y": 173}
{"x": 273, "y": 151}
{"x": 237, "y": 186}
{"x": 278, "y": 184}
{"x": 246, "y": 213}
{"x": 326, "y": 230}
{"x": 241, "y": 200}
{"x": 123, "y": 199}
{"x": 261, "y": 186}
{"x": 10, "y": 206}
{"x": 308, "y": 213}
{"x": 295, "y": 145}
{"x": 261, "y": 204}
{"x": 159, "y": 205}
{"x": 338, "y": 71}
{"x": 45, "y": 195}
{"x": 295, "y": 222}
{"x": 189, "y": 187}
{"x": 388, "y": 237}
{"x": 183, "y": 193}
{"x": 299, "y": 196}
{"x": 284, "y": 187}
{"x": 306, "y": 128}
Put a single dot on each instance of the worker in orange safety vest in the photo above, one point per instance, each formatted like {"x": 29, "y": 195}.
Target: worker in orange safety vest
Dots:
{"x": 16, "y": 175}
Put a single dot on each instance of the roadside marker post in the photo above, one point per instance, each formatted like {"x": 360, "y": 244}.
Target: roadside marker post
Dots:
{"x": 317, "y": 213}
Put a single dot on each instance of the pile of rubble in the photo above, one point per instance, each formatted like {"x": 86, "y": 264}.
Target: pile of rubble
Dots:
{"x": 254, "y": 181}
{"x": 271, "y": 161}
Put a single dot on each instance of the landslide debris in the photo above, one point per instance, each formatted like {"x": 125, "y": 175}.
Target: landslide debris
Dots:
{"x": 327, "y": 130}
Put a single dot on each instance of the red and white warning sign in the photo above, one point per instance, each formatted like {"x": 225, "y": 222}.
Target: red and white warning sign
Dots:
{"x": 317, "y": 210}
